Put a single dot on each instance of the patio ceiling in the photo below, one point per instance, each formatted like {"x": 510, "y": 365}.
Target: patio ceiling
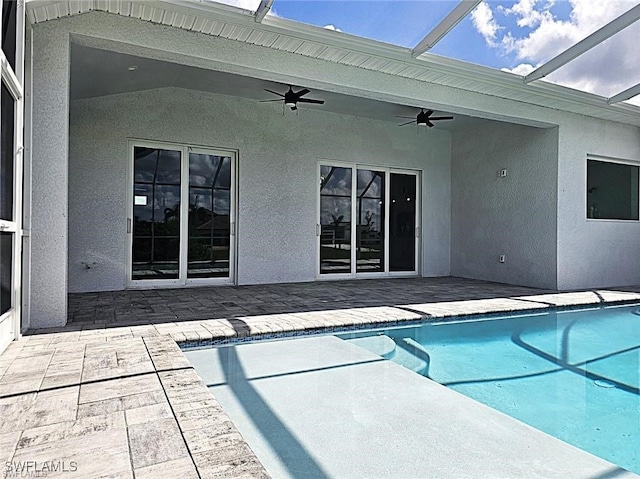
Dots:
{"x": 96, "y": 73}
{"x": 256, "y": 27}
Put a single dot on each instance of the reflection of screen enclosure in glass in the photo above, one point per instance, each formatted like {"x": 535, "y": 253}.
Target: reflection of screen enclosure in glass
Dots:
{"x": 156, "y": 213}
{"x": 6, "y": 197}
{"x": 159, "y": 236}
{"x": 370, "y": 233}
{"x": 612, "y": 190}
{"x": 335, "y": 219}
{"x": 209, "y": 215}
{"x": 380, "y": 244}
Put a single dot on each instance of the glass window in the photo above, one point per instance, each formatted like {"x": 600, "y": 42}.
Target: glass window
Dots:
{"x": 6, "y": 271}
{"x": 6, "y": 154}
{"x": 370, "y": 227}
{"x": 209, "y": 216}
{"x": 402, "y": 222}
{"x": 335, "y": 219}
{"x": 156, "y": 211}
{"x": 612, "y": 190}
{"x": 9, "y": 31}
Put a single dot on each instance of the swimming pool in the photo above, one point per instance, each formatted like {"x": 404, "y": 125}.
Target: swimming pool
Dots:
{"x": 572, "y": 374}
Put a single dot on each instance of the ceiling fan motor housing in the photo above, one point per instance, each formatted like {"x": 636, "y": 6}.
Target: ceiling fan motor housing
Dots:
{"x": 290, "y": 98}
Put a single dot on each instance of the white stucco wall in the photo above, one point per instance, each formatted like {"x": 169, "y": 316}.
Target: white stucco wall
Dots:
{"x": 594, "y": 253}
{"x": 514, "y": 216}
{"x": 47, "y": 246}
{"x": 278, "y": 158}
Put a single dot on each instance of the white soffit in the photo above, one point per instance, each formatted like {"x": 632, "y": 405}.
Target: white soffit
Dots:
{"x": 225, "y": 21}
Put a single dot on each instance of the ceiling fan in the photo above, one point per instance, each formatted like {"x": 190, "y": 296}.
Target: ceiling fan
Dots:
{"x": 292, "y": 98}
{"x": 424, "y": 118}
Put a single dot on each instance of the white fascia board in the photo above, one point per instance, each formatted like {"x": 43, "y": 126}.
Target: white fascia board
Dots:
{"x": 447, "y": 24}
{"x": 625, "y": 95}
{"x": 263, "y": 9}
{"x": 593, "y": 40}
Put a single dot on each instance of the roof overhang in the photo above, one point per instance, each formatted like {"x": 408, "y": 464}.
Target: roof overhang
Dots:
{"x": 224, "y": 21}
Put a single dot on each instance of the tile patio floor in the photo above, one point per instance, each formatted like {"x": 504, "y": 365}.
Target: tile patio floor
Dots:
{"x": 162, "y": 305}
{"x": 112, "y": 395}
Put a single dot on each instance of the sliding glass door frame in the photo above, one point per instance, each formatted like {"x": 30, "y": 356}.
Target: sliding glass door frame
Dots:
{"x": 355, "y": 222}
{"x": 183, "y": 279}
{"x": 13, "y": 157}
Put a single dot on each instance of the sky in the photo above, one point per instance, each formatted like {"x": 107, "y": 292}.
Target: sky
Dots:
{"x": 511, "y": 35}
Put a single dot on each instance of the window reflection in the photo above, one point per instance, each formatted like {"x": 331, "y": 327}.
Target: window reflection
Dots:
{"x": 335, "y": 219}
{"x": 6, "y": 154}
{"x": 9, "y": 22}
{"x": 6, "y": 271}
{"x": 156, "y": 210}
{"x": 370, "y": 231}
{"x": 209, "y": 216}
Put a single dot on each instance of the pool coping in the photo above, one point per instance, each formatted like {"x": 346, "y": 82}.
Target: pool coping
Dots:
{"x": 214, "y": 447}
{"x": 279, "y": 326}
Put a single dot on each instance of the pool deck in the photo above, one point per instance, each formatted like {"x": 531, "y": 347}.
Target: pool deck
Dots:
{"x": 112, "y": 395}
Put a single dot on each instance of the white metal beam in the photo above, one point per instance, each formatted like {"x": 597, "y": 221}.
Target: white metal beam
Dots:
{"x": 595, "y": 39}
{"x": 625, "y": 95}
{"x": 454, "y": 17}
{"x": 263, "y": 9}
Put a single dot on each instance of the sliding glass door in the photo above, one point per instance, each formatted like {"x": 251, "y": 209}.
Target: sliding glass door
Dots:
{"x": 182, "y": 208}
{"x": 368, "y": 221}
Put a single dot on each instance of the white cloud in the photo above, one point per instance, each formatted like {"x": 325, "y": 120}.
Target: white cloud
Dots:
{"x": 522, "y": 69}
{"x": 482, "y": 18}
{"x": 332, "y": 27}
{"x": 606, "y": 70}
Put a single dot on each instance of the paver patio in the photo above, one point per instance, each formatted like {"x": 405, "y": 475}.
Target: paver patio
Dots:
{"x": 112, "y": 395}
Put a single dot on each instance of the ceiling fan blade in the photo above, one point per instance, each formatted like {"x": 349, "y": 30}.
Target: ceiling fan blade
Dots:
{"x": 429, "y": 113}
{"x": 274, "y": 92}
{"x": 441, "y": 118}
{"x": 303, "y": 92}
{"x": 398, "y": 116}
{"x": 309, "y": 100}
{"x": 408, "y": 123}
{"x": 265, "y": 101}
{"x": 429, "y": 124}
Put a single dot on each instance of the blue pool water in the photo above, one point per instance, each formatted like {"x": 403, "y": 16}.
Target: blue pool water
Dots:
{"x": 573, "y": 374}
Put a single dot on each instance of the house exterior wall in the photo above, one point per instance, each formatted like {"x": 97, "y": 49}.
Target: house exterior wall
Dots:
{"x": 594, "y": 253}
{"x": 514, "y": 215}
{"x": 277, "y": 172}
{"x": 49, "y": 170}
